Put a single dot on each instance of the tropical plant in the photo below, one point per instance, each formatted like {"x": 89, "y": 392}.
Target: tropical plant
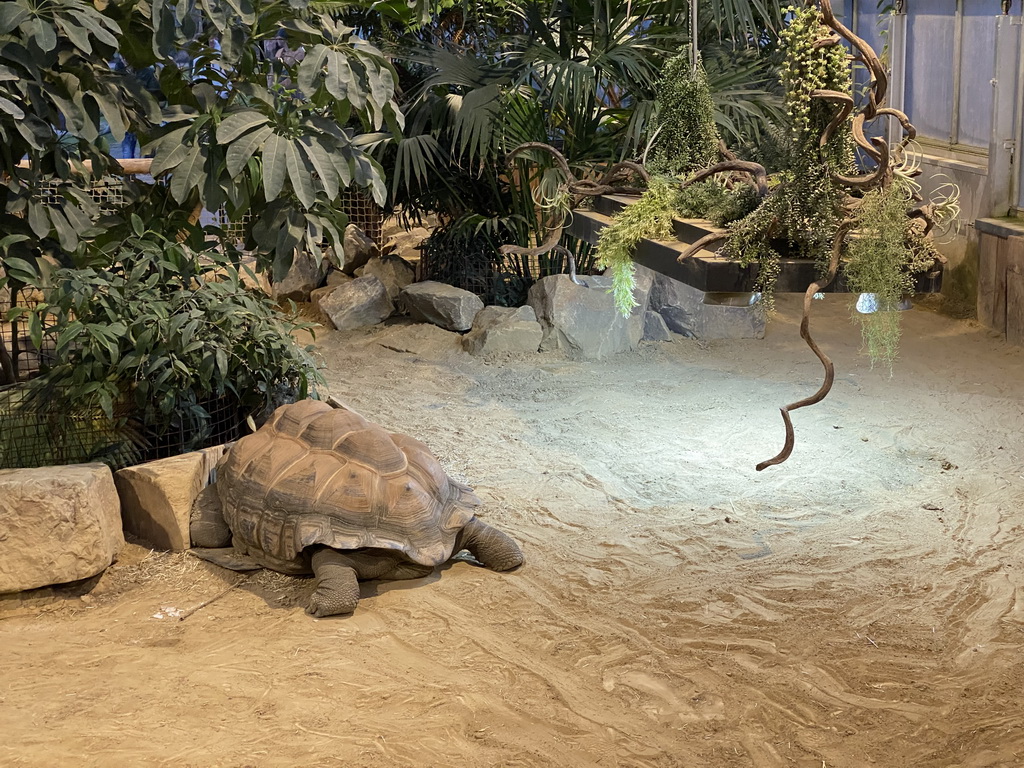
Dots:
{"x": 158, "y": 332}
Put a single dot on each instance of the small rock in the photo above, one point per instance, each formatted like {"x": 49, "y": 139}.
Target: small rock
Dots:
{"x": 336, "y": 277}
{"x": 655, "y": 328}
{"x": 358, "y": 249}
{"x": 394, "y": 271}
{"x": 304, "y": 275}
{"x": 157, "y": 497}
{"x": 504, "y": 329}
{"x": 443, "y": 305}
{"x": 357, "y": 304}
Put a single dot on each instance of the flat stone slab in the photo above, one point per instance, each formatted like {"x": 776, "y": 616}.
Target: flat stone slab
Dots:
{"x": 691, "y": 312}
{"x": 57, "y": 524}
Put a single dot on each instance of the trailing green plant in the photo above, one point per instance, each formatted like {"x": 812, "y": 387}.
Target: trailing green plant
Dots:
{"x": 161, "y": 330}
{"x": 686, "y": 138}
{"x": 649, "y": 217}
{"x": 806, "y": 206}
{"x": 715, "y": 201}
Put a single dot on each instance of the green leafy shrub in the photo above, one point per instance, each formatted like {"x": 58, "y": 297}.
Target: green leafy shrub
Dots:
{"x": 714, "y": 201}
{"x": 882, "y": 258}
{"x": 161, "y": 331}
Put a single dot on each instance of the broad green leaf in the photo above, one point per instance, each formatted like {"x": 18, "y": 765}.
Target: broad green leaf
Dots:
{"x": 112, "y": 114}
{"x": 65, "y": 232}
{"x": 274, "y": 166}
{"x": 35, "y": 330}
{"x": 237, "y": 123}
{"x": 302, "y": 181}
{"x": 44, "y": 34}
{"x": 20, "y": 270}
{"x": 321, "y": 161}
{"x": 240, "y": 151}
{"x": 311, "y": 68}
{"x": 183, "y": 179}
{"x": 39, "y": 219}
{"x": 11, "y": 108}
{"x": 339, "y": 76}
{"x": 12, "y": 15}
{"x": 79, "y": 36}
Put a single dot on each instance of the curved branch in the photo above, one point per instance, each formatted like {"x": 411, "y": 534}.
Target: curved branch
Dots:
{"x": 805, "y": 334}
{"x": 713, "y": 237}
{"x": 904, "y": 122}
{"x": 558, "y": 157}
{"x": 873, "y": 179}
{"x": 754, "y": 169}
{"x": 548, "y": 246}
{"x": 879, "y": 80}
{"x": 845, "y": 102}
{"x": 619, "y": 170}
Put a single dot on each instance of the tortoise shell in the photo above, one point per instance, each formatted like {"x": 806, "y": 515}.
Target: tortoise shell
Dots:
{"x": 317, "y": 475}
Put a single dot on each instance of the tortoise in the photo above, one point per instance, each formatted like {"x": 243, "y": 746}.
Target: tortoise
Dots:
{"x": 322, "y": 490}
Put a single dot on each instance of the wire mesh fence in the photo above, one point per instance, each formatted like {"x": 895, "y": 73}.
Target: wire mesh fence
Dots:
{"x": 360, "y": 209}
{"x": 474, "y": 264}
{"x": 41, "y": 432}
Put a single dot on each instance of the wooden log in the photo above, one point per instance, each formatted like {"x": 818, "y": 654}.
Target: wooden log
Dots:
{"x": 999, "y": 286}
{"x": 129, "y": 166}
{"x": 988, "y": 245}
{"x": 1015, "y": 290}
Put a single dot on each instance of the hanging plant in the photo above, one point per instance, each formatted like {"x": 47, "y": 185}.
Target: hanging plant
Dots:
{"x": 686, "y": 138}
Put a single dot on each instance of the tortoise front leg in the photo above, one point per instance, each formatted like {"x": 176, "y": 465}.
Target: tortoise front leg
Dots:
{"x": 337, "y": 589}
{"x": 494, "y": 549}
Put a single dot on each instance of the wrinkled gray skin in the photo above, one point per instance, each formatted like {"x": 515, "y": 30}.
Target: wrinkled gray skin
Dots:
{"x": 338, "y": 573}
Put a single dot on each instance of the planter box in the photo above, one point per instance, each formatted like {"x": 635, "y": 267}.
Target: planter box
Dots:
{"x": 705, "y": 270}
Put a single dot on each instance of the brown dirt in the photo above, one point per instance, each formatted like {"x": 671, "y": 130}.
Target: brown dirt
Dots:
{"x": 861, "y": 605}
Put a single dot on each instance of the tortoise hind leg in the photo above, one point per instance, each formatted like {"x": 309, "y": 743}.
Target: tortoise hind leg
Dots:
{"x": 494, "y": 549}
{"x": 337, "y": 589}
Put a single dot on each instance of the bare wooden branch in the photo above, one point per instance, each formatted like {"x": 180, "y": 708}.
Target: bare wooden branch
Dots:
{"x": 845, "y": 102}
{"x": 805, "y": 334}
{"x": 703, "y": 242}
{"x": 756, "y": 171}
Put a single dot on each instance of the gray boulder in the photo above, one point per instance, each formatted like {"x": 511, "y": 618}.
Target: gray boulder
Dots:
{"x": 305, "y": 275}
{"x": 336, "y": 277}
{"x": 691, "y": 312}
{"x": 655, "y": 328}
{"x": 358, "y": 249}
{"x": 498, "y": 330}
{"x": 357, "y": 304}
{"x": 57, "y": 524}
{"x": 443, "y": 305}
{"x": 394, "y": 271}
{"x": 583, "y": 320}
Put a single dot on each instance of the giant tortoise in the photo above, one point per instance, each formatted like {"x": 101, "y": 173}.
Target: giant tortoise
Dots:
{"x": 321, "y": 490}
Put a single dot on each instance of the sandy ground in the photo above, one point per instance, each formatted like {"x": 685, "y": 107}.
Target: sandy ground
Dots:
{"x": 861, "y": 605}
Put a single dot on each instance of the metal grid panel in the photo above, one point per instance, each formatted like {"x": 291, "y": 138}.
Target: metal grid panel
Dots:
{"x": 359, "y": 208}
{"x": 41, "y": 433}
